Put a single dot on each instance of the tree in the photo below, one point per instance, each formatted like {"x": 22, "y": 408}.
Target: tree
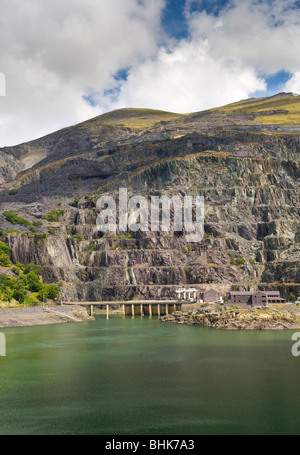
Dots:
{"x": 5, "y": 249}
{"x": 32, "y": 268}
{"x": 8, "y": 295}
{"x": 5, "y": 260}
{"x": 240, "y": 261}
{"x": 43, "y": 293}
{"x": 292, "y": 298}
{"x": 52, "y": 291}
{"x": 34, "y": 283}
{"x": 6, "y": 282}
{"x": 20, "y": 294}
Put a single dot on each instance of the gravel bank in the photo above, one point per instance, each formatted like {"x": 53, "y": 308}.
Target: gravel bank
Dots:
{"x": 38, "y": 316}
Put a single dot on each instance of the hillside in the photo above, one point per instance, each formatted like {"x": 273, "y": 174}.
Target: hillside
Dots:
{"x": 243, "y": 158}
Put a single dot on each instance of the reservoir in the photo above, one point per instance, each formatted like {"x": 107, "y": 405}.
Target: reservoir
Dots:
{"x": 125, "y": 376}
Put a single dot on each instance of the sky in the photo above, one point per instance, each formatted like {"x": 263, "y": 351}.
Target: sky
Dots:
{"x": 65, "y": 61}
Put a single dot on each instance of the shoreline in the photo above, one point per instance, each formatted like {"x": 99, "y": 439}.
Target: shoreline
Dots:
{"x": 37, "y": 316}
{"x": 215, "y": 316}
{"x": 223, "y": 317}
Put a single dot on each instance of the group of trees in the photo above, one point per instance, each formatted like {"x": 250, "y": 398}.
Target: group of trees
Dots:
{"x": 27, "y": 286}
{"x": 5, "y": 253}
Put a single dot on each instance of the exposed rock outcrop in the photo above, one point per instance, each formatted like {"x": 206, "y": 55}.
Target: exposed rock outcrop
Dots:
{"x": 238, "y": 319}
{"x": 248, "y": 173}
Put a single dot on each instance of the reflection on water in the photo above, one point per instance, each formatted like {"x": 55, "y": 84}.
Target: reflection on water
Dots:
{"x": 139, "y": 376}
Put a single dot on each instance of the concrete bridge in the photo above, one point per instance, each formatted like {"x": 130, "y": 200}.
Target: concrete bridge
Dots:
{"x": 135, "y": 307}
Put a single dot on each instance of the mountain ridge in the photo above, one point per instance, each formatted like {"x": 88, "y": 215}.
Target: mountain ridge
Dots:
{"x": 248, "y": 172}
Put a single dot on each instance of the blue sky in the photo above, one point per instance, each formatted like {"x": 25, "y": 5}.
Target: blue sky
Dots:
{"x": 175, "y": 25}
{"x": 173, "y": 19}
{"x": 66, "y": 61}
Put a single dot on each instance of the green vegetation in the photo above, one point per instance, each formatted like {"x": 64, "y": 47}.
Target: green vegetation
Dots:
{"x": 90, "y": 247}
{"x": 75, "y": 202}
{"x": 77, "y": 237}
{"x": 14, "y": 231}
{"x": 16, "y": 270}
{"x": 5, "y": 253}
{"x": 37, "y": 223}
{"x": 5, "y": 249}
{"x": 13, "y": 218}
{"x": 292, "y": 298}
{"x": 132, "y": 118}
{"x": 27, "y": 288}
{"x": 13, "y": 192}
{"x": 237, "y": 261}
{"x": 5, "y": 260}
{"x": 31, "y": 268}
{"x": 290, "y": 103}
{"x": 38, "y": 237}
{"x": 51, "y": 230}
{"x": 53, "y": 215}
{"x": 122, "y": 236}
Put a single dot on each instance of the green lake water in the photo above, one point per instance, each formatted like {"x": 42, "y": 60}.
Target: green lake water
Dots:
{"x": 142, "y": 377}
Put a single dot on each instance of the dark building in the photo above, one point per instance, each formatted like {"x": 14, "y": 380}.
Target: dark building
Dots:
{"x": 261, "y": 298}
{"x": 210, "y": 296}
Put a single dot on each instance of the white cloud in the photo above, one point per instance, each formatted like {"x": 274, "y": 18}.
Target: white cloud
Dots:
{"x": 53, "y": 52}
{"x": 221, "y": 60}
{"x": 263, "y": 34}
{"x": 188, "y": 79}
{"x": 293, "y": 84}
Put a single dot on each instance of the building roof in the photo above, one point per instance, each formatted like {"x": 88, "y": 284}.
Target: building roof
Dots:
{"x": 241, "y": 292}
{"x": 277, "y": 293}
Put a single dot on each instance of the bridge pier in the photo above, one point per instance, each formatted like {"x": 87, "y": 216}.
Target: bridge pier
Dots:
{"x": 132, "y": 308}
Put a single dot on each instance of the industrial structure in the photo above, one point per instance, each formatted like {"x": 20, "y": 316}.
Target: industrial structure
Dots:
{"x": 247, "y": 298}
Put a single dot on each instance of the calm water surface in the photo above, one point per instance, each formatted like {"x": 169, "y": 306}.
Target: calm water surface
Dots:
{"x": 140, "y": 377}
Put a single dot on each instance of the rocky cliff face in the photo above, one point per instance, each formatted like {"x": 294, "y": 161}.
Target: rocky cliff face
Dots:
{"x": 10, "y": 167}
{"x": 247, "y": 172}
